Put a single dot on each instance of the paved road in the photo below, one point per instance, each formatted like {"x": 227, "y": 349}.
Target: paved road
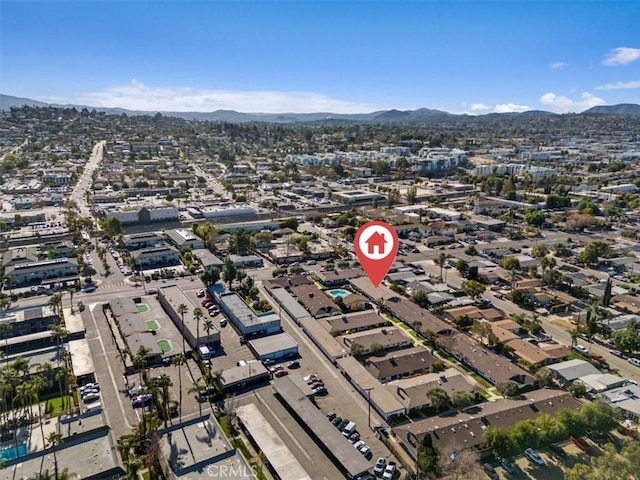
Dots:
{"x": 84, "y": 183}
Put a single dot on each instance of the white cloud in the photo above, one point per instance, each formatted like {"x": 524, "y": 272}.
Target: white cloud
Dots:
{"x": 510, "y": 108}
{"x": 138, "y": 96}
{"x": 621, "y": 56}
{"x": 558, "y": 65}
{"x": 562, "y": 104}
{"x": 620, "y": 85}
{"x": 479, "y": 106}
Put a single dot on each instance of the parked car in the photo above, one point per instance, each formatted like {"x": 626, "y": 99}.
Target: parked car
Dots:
{"x": 359, "y": 444}
{"x": 317, "y": 384}
{"x": 276, "y": 368}
{"x": 557, "y": 450}
{"x": 389, "y": 471}
{"x": 281, "y": 373}
{"x": 582, "y": 444}
{"x": 141, "y": 400}
{"x": 91, "y": 397}
{"x": 331, "y": 415}
{"x": 634, "y": 361}
{"x": 320, "y": 391}
{"x": 81, "y": 306}
{"x": 343, "y": 423}
{"x": 509, "y": 467}
{"x": 294, "y": 364}
{"x": 267, "y": 361}
{"x": 336, "y": 421}
{"x": 490, "y": 471}
{"x": 365, "y": 450}
{"x": 379, "y": 466}
{"x": 581, "y": 348}
{"x": 615, "y": 352}
{"x": 313, "y": 376}
{"x": 223, "y": 322}
{"x": 200, "y": 293}
{"x": 312, "y": 379}
{"x": 354, "y": 437}
{"x": 534, "y": 457}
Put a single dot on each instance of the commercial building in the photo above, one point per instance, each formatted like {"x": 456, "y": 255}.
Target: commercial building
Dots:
{"x": 246, "y": 321}
{"x": 156, "y": 257}
{"x": 142, "y": 240}
{"x": 171, "y": 297}
{"x": 274, "y": 347}
{"x": 65, "y": 269}
{"x": 252, "y": 373}
{"x": 183, "y": 238}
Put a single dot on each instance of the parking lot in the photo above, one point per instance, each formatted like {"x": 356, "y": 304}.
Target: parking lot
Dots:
{"x": 556, "y": 460}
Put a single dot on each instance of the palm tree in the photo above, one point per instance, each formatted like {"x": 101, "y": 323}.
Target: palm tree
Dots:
{"x": 5, "y": 330}
{"x": 442, "y": 259}
{"x": 53, "y": 440}
{"x": 164, "y": 382}
{"x": 72, "y": 291}
{"x": 198, "y": 315}
{"x": 178, "y": 362}
{"x": 198, "y": 387}
{"x": 182, "y": 309}
{"x": 208, "y": 326}
{"x": 214, "y": 379}
{"x": 55, "y": 302}
{"x": 38, "y": 383}
{"x": 140, "y": 362}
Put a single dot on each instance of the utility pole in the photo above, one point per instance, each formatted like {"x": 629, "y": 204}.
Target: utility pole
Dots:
{"x": 368, "y": 390}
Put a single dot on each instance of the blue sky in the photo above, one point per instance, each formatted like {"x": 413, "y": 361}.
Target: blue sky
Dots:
{"x": 303, "y": 56}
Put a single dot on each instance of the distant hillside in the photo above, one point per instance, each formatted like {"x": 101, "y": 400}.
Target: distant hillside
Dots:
{"x": 620, "y": 109}
{"x": 7, "y": 102}
{"x": 421, "y": 115}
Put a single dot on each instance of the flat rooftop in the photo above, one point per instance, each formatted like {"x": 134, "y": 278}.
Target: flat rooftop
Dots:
{"x": 273, "y": 343}
{"x": 198, "y": 447}
{"x": 316, "y": 422}
{"x": 276, "y": 452}
{"x": 93, "y": 455}
{"x": 81, "y": 357}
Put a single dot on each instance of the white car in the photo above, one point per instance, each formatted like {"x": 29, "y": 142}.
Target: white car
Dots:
{"x": 389, "y": 471}
{"x": 359, "y": 444}
{"x": 313, "y": 376}
{"x": 581, "y": 348}
{"x": 634, "y": 361}
{"x": 365, "y": 450}
{"x": 379, "y": 467}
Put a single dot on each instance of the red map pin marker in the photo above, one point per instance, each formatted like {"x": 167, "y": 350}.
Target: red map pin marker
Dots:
{"x": 376, "y": 246}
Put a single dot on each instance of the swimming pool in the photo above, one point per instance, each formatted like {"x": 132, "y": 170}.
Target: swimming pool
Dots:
{"x": 339, "y": 292}
{"x": 11, "y": 453}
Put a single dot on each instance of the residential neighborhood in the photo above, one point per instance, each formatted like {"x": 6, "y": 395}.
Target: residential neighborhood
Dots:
{"x": 195, "y": 286}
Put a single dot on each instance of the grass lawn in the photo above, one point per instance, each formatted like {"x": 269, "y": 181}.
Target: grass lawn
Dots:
{"x": 53, "y": 406}
{"x": 481, "y": 380}
{"x": 164, "y": 345}
{"x": 152, "y": 325}
{"x": 224, "y": 424}
{"x": 142, "y": 308}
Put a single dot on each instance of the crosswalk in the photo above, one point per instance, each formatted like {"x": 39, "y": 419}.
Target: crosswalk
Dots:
{"x": 114, "y": 285}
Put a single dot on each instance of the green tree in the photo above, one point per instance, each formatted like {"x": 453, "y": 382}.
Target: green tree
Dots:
{"x": 112, "y": 226}
{"x": 229, "y": 272}
{"x": 438, "y": 398}
{"x": 411, "y": 195}
{"x": 442, "y": 260}
{"x": 511, "y": 264}
{"x": 462, "y": 398}
{"x": 508, "y": 388}
{"x": 178, "y": 361}
{"x": 539, "y": 251}
{"x": 393, "y": 197}
{"x": 473, "y": 288}
{"x": 52, "y": 441}
{"x": 627, "y": 340}
{"x": 534, "y": 218}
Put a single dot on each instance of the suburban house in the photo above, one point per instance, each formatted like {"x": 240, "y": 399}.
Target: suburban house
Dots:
{"x": 401, "y": 363}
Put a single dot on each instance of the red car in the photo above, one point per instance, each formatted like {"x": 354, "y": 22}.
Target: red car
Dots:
{"x": 581, "y": 444}
{"x": 281, "y": 373}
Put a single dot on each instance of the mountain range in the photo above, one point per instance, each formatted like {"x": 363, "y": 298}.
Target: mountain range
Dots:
{"x": 384, "y": 116}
